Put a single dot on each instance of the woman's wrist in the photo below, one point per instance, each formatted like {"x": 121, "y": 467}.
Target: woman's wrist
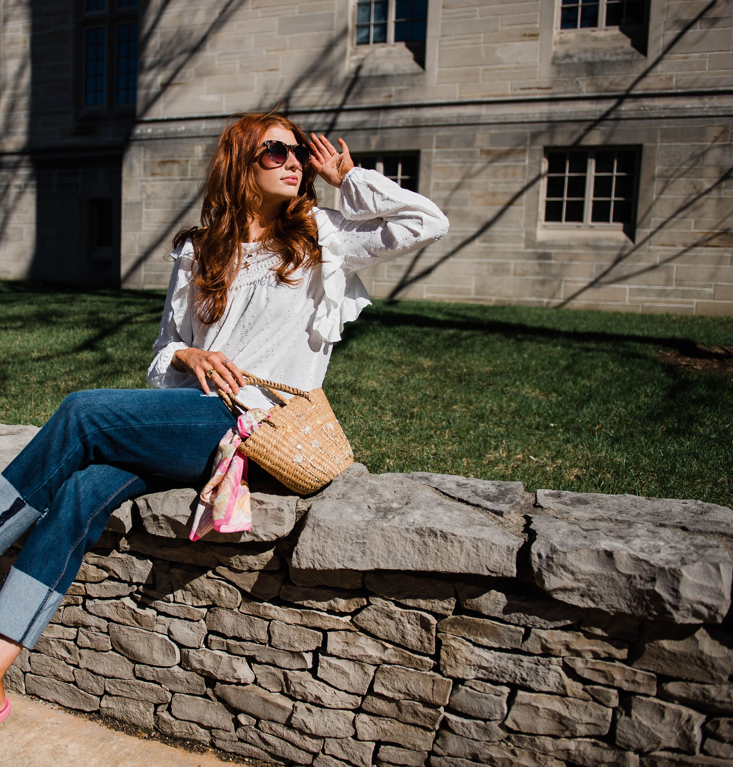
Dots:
{"x": 178, "y": 362}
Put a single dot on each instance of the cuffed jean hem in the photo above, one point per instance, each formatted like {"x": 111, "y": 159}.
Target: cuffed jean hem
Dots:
{"x": 26, "y": 607}
{"x": 16, "y": 516}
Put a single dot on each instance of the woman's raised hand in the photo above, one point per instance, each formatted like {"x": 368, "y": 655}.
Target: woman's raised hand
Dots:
{"x": 209, "y": 366}
{"x": 330, "y": 164}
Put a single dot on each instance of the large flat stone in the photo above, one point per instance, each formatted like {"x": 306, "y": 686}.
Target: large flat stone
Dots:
{"x": 462, "y": 660}
{"x": 419, "y": 592}
{"x": 362, "y": 648}
{"x": 322, "y": 722}
{"x": 407, "y": 711}
{"x": 685, "y": 653}
{"x": 695, "y": 516}
{"x": 520, "y": 610}
{"x": 647, "y": 725}
{"x": 302, "y": 686}
{"x": 409, "y": 684}
{"x": 613, "y": 675}
{"x": 537, "y": 714}
{"x": 59, "y": 692}
{"x": 633, "y": 569}
{"x": 375, "y": 728}
{"x": 480, "y": 700}
{"x": 500, "y": 497}
{"x": 585, "y": 752}
{"x": 410, "y": 628}
{"x": 169, "y": 514}
{"x": 256, "y": 702}
{"x": 714, "y": 698}
{"x": 457, "y": 751}
{"x": 374, "y": 522}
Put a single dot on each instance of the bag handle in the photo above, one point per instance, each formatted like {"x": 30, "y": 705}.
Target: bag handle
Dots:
{"x": 237, "y": 408}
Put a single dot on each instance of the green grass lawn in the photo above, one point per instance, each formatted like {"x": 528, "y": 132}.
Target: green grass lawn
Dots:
{"x": 556, "y": 399}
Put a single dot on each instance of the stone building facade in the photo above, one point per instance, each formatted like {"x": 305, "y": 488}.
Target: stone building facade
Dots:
{"x": 582, "y": 151}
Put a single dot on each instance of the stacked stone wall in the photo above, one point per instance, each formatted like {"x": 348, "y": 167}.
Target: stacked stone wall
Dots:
{"x": 407, "y": 620}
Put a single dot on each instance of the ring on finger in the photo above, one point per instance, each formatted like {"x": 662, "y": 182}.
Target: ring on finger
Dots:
{"x": 210, "y": 373}
{"x": 225, "y": 361}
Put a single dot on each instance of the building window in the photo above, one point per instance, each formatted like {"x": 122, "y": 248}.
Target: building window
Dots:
{"x": 109, "y": 37}
{"x": 601, "y": 14}
{"x": 95, "y": 76}
{"x": 391, "y": 21}
{"x": 593, "y": 188}
{"x": 100, "y": 239}
{"x": 126, "y": 63}
{"x": 402, "y": 168}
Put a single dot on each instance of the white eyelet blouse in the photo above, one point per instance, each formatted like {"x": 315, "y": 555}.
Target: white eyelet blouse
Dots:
{"x": 285, "y": 333}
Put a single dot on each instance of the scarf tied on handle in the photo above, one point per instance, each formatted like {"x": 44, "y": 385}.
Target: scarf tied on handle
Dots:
{"x": 224, "y": 503}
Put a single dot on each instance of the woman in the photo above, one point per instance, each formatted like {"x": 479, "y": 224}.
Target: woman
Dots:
{"x": 265, "y": 285}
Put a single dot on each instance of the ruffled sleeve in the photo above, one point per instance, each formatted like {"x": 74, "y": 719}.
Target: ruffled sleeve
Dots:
{"x": 176, "y": 324}
{"x": 378, "y": 220}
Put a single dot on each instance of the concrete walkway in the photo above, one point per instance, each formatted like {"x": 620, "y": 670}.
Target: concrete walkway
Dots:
{"x": 38, "y": 734}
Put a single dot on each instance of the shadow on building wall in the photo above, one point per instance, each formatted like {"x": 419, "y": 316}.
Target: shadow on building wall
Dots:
{"x": 416, "y": 272}
{"x": 75, "y": 158}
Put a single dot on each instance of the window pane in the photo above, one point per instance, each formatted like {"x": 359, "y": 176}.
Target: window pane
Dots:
{"x": 556, "y": 186}
{"x": 363, "y": 13}
{"x": 569, "y": 18}
{"x": 553, "y": 210}
{"x": 418, "y": 30}
{"x": 94, "y": 66}
{"x": 93, "y": 6}
{"x": 366, "y": 161}
{"x": 409, "y": 165}
{"x": 577, "y": 162}
{"x": 127, "y": 3}
{"x": 604, "y": 162}
{"x": 588, "y": 16}
{"x": 362, "y": 35}
{"x": 576, "y": 186}
{"x": 126, "y": 62}
{"x": 402, "y": 9}
{"x": 622, "y": 212}
{"x": 419, "y": 9}
{"x": 380, "y": 11}
{"x": 379, "y": 34}
{"x": 391, "y": 165}
{"x": 626, "y": 162}
{"x": 556, "y": 162}
{"x": 624, "y": 187}
{"x": 603, "y": 186}
{"x": 402, "y": 168}
{"x": 402, "y": 31}
{"x": 601, "y": 211}
{"x": 574, "y": 210}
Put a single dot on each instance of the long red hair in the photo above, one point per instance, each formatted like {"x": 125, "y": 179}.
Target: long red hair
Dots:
{"x": 231, "y": 197}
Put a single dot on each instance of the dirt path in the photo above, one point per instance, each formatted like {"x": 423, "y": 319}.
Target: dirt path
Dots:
{"x": 37, "y": 734}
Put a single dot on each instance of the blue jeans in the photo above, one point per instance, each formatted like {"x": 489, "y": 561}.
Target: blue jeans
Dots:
{"x": 99, "y": 448}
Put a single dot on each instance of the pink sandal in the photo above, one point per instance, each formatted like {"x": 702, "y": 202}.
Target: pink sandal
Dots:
{"x": 5, "y": 711}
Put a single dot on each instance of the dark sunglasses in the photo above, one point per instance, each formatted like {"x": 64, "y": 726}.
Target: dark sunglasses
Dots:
{"x": 278, "y": 153}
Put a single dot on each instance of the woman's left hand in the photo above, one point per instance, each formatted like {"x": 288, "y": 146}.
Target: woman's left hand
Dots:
{"x": 331, "y": 165}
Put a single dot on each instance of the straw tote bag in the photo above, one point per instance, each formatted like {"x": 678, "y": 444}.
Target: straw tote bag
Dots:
{"x": 301, "y": 443}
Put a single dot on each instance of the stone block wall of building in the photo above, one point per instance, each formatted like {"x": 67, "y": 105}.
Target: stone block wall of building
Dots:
{"x": 497, "y": 86}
